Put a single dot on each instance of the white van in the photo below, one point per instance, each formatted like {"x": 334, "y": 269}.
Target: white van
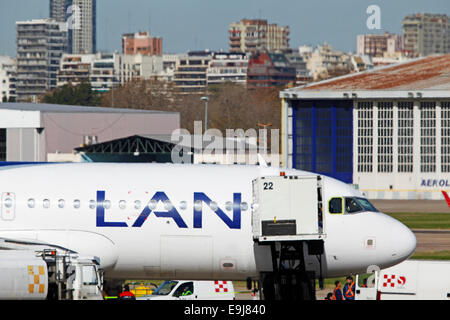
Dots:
{"x": 192, "y": 290}
{"x": 409, "y": 280}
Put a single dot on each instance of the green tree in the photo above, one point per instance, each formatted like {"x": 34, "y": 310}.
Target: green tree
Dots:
{"x": 81, "y": 95}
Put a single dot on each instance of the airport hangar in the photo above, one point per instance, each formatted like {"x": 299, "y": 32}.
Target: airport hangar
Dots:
{"x": 44, "y": 132}
{"x": 386, "y": 130}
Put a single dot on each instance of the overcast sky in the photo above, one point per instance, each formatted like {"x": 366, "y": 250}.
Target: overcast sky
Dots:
{"x": 203, "y": 24}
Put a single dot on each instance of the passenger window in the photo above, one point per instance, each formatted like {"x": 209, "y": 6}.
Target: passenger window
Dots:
{"x": 31, "y": 203}
{"x": 61, "y": 203}
{"x": 183, "y": 205}
{"x": 122, "y": 204}
{"x": 335, "y": 206}
{"x": 186, "y": 289}
{"x": 46, "y": 203}
{"x": 92, "y": 204}
{"x": 76, "y": 204}
{"x": 244, "y": 206}
{"x": 137, "y": 204}
{"x": 106, "y": 204}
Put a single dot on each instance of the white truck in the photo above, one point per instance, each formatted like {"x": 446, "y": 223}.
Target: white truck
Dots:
{"x": 49, "y": 274}
{"x": 409, "y": 280}
{"x": 192, "y": 290}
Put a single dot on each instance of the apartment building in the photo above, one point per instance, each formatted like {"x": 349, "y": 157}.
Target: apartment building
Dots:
{"x": 269, "y": 70}
{"x": 107, "y": 70}
{"x": 40, "y": 45}
{"x": 8, "y": 69}
{"x": 191, "y": 72}
{"x": 426, "y": 34}
{"x": 228, "y": 67}
{"x": 141, "y": 43}
{"x": 325, "y": 62}
{"x": 379, "y": 45}
{"x": 256, "y": 35}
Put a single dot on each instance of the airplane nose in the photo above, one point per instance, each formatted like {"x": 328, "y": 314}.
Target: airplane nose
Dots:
{"x": 404, "y": 242}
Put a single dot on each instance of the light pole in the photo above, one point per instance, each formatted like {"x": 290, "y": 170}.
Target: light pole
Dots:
{"x": 206, "y": 99}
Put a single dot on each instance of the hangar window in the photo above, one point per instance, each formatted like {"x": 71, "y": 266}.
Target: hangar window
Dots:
{"x": 385, "y": 136}
{"x": 405, "y": 136}
{"x": 445, "y": 136}
{"x": 365, "y": 136}
{"x": 428, "y": 137}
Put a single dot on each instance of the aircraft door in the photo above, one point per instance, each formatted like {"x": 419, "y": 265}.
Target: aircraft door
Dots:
{"x": 8, "y": 206}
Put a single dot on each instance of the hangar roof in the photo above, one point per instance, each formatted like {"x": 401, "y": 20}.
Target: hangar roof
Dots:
{"x": 57, "y": 108}
{"x": 429, "y": 75}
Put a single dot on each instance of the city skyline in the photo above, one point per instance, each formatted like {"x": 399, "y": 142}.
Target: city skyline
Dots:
{"x": 177, "y": 21}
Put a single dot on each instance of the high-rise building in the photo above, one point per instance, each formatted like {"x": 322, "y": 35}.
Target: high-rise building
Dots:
{"x": 80, "y": 16}
{"x": 425, "y": 34}
{"x": 379, "y": 45}
{"x": 141, "y": 43}
{"x": 40, "y": 45}
{"x": 256, "y": 35}
{"x": 58, "y": 9}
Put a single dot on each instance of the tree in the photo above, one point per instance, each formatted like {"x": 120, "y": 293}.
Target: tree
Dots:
{"x": 81, "y": 95}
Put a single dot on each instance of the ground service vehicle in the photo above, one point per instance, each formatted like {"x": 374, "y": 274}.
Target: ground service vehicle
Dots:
{"x": 48, "y": 274}
{"x": 409, "y": 280}
{"x": 193, "y": 290}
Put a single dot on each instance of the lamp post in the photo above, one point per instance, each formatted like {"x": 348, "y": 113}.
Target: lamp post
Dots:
{"x": 206, "y": 99}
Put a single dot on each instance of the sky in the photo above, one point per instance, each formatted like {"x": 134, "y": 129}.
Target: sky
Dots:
{"x": 203, "y": 24}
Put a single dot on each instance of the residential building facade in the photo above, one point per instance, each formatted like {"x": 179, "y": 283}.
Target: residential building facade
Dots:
{"x": 228, "y": 67}
{"x": 325, "y": 62}
{"x": 426, "y": 34}
{"x": 141, "y": 43}
{"x": 379, "y": 45}
{"x": 256, "y": 35}
{"x": 40, "y": 45}
{"x": 107, "y": 70}
{"x": 191, "y": 72}
{"x": 269, "y": 70}
{"x": 8, "y": 70}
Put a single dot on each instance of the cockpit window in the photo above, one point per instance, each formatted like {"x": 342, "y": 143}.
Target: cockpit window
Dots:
{"x": 352, "y": 206}
{"x": 349, "y": 205}
{"x": 367, "y": 206}
{"x": 335, "y": 206}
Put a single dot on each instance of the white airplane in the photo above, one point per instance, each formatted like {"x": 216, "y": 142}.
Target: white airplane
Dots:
{"x": 164, "y": 221}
